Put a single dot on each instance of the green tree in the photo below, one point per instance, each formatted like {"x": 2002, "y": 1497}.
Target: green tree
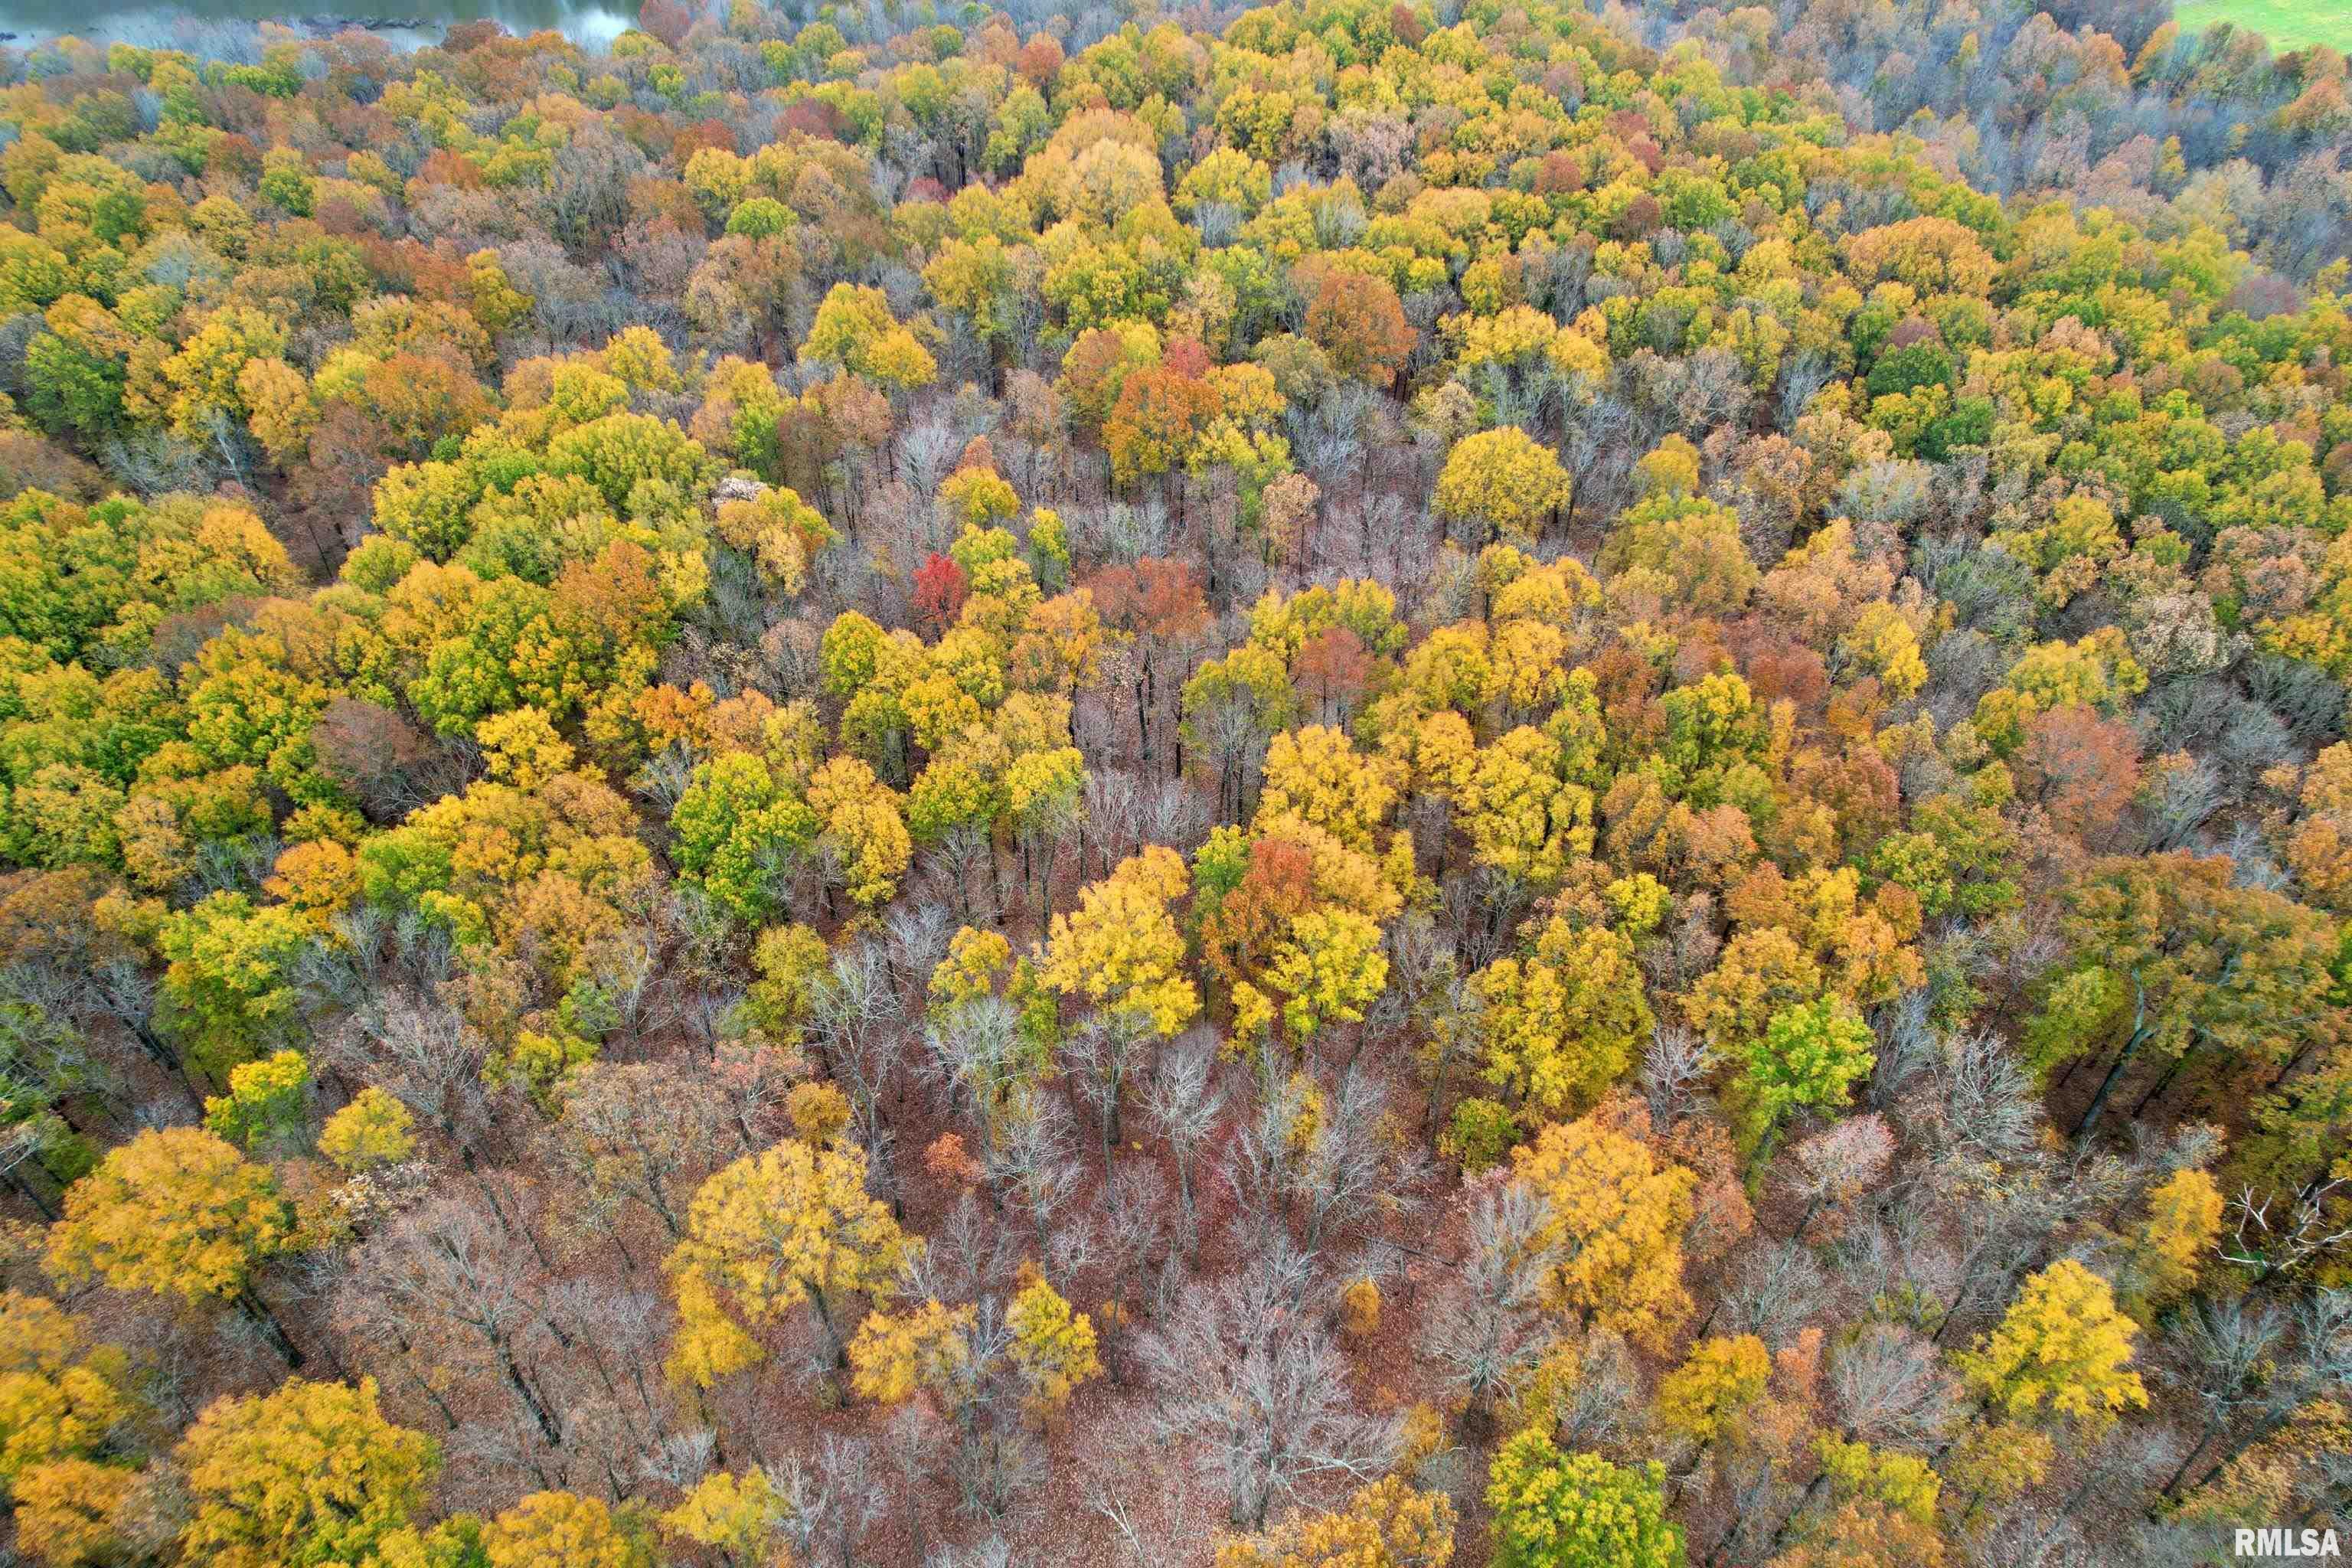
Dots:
{"x": 2172, "y": 957}
{"x": 228, "y": 985}
{"x": 736, "y": 829}
{"x": 267, "y": 1102}
{"x": 1809, "y": 1055}
{"x": 1578, "y": 1510}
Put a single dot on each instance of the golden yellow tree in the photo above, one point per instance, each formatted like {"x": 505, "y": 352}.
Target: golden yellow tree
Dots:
{"x": 69, "y": 1512}
{"x": 1504, "y": 480}
{"x": 563, "y": 1530}
{"x": 61, "y": 1396}
{"x": 1718, "y": 1380}
{"x": 2062, "y": 1348}
{"x": 176, "y": 1211}
{"x": 896, "y": 1355}
{"x": 310, "y": 1474}
{"x": 740, "y": 1515}
{"x": 1617, "y": 1215}
{"x": 373, "y": 1130}
{"x": 1563, "y": 1023}
{"x": 1387, "y": 1524}
{"x": 792, "y": 1224}
{"x": 1053, "y": 1346}
{"x": 864, "y": 827}
{"x": 1121, "y": 948}
{"x": 1318, "y": 777}
{"x": 2184, "y": 1218}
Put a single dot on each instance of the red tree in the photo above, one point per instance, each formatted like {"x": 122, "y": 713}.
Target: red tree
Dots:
{"x": 940, "y": 589}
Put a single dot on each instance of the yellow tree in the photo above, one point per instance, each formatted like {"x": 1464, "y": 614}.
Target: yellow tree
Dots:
{"x": 71, "y": 1512}
{"x": 792, "y": 1224}
{"x": 61, "y": 1397}
{"x": 1387, "y": 1524}
{"x": 2184, "y": 1219}
{"x": 743, "y": 1516}
{"x": 2062, "y": 1348}
{"x": 310, "y": 1474}
{"x": 1052, "y": 1347}
{"x": 1121, "y": 948}
{"x": 864, "y": 828}
{"x": 1616, "y": 1218}
{"x": 178, "y": 1212}
{"x": 563, "y": 1530}
{"x": 375, "y": 1130}
{"x": 1563, "y": 1023}
{"x": 1329, "y": 968}
{"x": 1317, "y": 775}
{"x": 1524, "y": 820}
{"x": 896, "y": 1355}
{"x": 1504, "y": 480}
{"x": 1718, "y": 1380}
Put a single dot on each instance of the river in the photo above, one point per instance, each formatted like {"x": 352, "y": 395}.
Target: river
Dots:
{"x": 212, "y": 27}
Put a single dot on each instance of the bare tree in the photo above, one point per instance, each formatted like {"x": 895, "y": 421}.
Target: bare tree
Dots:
{"x": 1674, "y": 1066}
{"x": 1256, "y": 1387}
{"x": 1105, "y": 1051}
{"x": 1330, "y": 1171}
{"x": 1837, "y": 1165}
{"x": 446, "y": 1288}
{"x": 423, "y": 1051}
{"x": 1033, "y": 1162}
{"x": 1489, "y": 1327}
{"x": 2273, "y": 1234}
{"x": 1184, "y": 1102}
{"x": 1891, "y": 1387}
{"x": 980, "y": 1056}
{"x": 636, "y": 1133}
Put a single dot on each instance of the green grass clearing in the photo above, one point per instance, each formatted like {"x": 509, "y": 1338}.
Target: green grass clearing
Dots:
{"x": 2287, "y": 23}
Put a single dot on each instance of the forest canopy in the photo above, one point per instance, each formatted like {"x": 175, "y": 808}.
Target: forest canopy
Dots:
{"x": 1352, "y": 782}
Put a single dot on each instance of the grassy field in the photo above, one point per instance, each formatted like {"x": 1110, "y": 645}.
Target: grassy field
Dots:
{"x": 2287, "y": 23}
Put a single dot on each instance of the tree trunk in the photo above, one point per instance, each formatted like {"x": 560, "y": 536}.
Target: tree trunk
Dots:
{"x": 2083, "y": 1129}
{"x": 258, "y": 1312}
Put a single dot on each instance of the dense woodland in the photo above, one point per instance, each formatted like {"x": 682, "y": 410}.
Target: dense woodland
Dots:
{"x": 1346, "y": 785}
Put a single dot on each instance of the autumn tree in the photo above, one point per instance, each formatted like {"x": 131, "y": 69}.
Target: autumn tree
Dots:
{"x": 1578, "y": 1510}
{"x": 792, "y": 1224}
{"x": 741, "y": 1514}
{"x": 1717, "y": 1382}
{"x": 177, "y": 1211}
{"x": 1052, "y": 1347}
{"x": 1562, "y": 1025}
{"x": 1121, "y": 948}
{"x": 2176, "y": 1240}
{"x": 1503, "y": 481}
{"x": 1810, "y": 1055}
{"x": 66, "y": 1399}
{"x": 2170, "y": 955}
{"x": 2062, "y": 1349}
{"x": 558, "y": 1529}
{"x": 1156, "y": 605}
{"x": 1356, "y": 319}
{"x": 311, "y": 1473}
{"x": 1615, "y": 1218}
{"x": 1387, "y": 1524}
